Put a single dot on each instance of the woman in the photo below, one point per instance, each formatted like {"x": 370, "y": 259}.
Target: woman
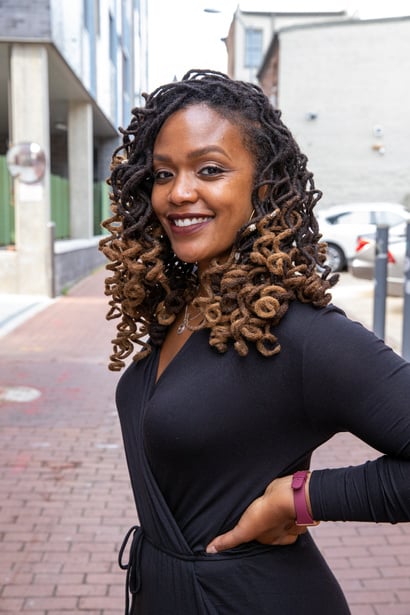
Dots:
{"x": 215, "y": 256}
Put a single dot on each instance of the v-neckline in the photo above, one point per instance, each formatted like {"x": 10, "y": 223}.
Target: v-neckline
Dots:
{"x": 179, "y": 352}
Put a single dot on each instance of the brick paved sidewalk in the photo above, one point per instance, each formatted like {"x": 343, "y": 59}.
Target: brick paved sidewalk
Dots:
{"x": 371, "y": 561}
{"x": 65, "y": 496}
{"x": 65, "y": 499}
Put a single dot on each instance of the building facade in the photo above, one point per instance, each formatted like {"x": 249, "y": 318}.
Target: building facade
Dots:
{"x": 250, "y": 37}
{"x": 343, "y": 88}
{"x": 70, "y": 72}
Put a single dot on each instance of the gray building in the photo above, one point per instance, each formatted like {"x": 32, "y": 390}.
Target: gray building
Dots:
{"x": 344, "y": 90}
{"x": 250, "y": 35}
{"x": 69, "y": 74}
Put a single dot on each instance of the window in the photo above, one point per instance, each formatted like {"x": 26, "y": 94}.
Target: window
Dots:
{"x": 97, "y": 18}
{"x": 86, "y": 14}
{"x": 113, "y": 41}
{"x": 253, "y": 47}
{"x": 126, "y": 81}
{"x": 351, "y": 217}
{"x": 91, "y": 15}
{"x": 388, "y": 217}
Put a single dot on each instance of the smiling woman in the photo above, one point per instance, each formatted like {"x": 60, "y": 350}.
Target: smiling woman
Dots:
{"x": 241, "y": 368}
{"x": 213, "y": 148}
{"x": 203, "y": 180}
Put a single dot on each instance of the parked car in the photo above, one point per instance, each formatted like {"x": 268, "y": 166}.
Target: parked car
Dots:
{"x": 363, "y": 264}
{"x": 341, "y": 224}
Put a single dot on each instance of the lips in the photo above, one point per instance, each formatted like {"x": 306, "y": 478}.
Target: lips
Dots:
{"x": 183, "y": 222}
{"x": 186, "y": 222}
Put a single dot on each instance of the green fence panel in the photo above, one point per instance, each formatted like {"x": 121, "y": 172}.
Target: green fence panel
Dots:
{"x": 60, "y": 206}
{"x": 6, "y": 205}
{"x": 101, "y": 206}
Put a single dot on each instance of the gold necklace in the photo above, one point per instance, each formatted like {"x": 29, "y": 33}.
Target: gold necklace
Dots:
{"x": 185, "y": 323}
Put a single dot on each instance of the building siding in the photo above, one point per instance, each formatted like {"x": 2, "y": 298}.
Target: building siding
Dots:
{"x": 25, "y": 19}
{"x": 354, "y": 77}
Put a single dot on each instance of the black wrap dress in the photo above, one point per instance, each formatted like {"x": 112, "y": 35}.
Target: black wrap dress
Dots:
{"x": 206, "y": 439}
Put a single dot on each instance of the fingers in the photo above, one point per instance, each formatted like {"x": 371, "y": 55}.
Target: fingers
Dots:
{"x": 229, "y": 540}
{"x": 285, "y": 540}
{"x": 290, "y": 537}
{"x": 238, "y": 536}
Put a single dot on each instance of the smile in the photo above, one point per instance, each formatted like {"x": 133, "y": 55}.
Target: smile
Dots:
{"x": 184, "y": 222}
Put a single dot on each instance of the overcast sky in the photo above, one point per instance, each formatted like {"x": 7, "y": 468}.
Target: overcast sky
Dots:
{"x": 183, "y": 36}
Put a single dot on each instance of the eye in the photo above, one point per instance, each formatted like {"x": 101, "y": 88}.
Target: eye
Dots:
{"x": 211, "y": 170}
{"x": 162, "y": 175}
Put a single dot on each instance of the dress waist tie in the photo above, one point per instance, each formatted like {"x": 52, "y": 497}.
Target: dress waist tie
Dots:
{"x": 133, "y": 566}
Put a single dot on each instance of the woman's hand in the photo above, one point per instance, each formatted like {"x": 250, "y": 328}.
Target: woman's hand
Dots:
{"x": 270, "y": 519}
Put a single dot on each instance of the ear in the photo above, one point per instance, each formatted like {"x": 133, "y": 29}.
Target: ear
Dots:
{"x": 262, "y": 192}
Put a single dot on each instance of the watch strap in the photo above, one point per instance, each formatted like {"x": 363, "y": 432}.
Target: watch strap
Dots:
{"x": 303, "y": 516}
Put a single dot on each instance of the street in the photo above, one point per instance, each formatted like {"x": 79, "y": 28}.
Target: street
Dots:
{"x": 66, "y": 501}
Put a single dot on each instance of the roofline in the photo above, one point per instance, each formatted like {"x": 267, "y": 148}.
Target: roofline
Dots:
{"x": 87, "y": 96}
{"x": 295, "y": 13}
{"x": 26, "y": 40}
{"x": 353, "y": 21}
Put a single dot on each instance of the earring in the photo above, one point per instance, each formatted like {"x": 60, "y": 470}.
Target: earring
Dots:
{"x": 252, "y": 227}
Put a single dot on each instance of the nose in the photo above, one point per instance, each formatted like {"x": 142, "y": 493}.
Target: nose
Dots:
{"x": 182, "y": 189}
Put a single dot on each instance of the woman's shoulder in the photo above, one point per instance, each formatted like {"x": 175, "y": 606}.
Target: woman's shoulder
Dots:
{"x": 327, "y": 337}
{"x": 304, "y": 315}
{"x": 321, "y": 328}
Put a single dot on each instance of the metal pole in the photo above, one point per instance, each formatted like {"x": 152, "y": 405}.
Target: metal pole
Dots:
{"x": 51, "y": 258}
{"x": 380, "y": 279}
{"x": 406, "y": 306}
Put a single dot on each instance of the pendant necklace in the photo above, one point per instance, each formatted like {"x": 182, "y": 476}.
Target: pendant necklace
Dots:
{"x": 185, "y": 323}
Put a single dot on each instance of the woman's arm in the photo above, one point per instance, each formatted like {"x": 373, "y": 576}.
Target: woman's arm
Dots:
{"x": 355, "y": 383}
{"x": 352, "y": 382}
{"x": 270, "y": 519}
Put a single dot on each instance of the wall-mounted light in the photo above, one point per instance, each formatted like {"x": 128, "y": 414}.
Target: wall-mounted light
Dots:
{"x": 61, "y": 126}
{"x": 311, "y": 116}
{"x": 378, "y": 146}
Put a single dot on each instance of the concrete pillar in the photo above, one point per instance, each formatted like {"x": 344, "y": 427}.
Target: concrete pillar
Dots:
{"x": 29, "y": 122}
{"x": 80, "y": 169}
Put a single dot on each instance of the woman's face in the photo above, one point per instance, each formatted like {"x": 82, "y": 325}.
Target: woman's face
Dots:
{"x": 203, "y": 179}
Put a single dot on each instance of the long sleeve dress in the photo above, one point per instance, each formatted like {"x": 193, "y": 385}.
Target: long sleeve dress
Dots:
{"x": 206, "y": 439}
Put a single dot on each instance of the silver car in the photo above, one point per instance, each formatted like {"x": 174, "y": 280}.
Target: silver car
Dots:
{"x": 341, "y": 224}
{"x": 362, "y": 265}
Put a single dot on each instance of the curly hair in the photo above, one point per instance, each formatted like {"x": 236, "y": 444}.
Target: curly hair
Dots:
{"x": 277, "y": 256}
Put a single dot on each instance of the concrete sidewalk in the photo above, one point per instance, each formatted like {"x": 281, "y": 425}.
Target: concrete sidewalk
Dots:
{"x": 16, "y": 309}
{"x": 65, "y": 498}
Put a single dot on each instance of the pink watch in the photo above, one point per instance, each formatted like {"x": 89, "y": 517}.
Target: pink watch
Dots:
{"x": 303, "y": 516}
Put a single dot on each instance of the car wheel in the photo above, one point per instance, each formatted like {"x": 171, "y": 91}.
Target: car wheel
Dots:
{"x": 335, "y": 257}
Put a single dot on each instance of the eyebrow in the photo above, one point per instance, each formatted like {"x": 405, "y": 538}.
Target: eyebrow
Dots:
{"x": 197, "y": 153}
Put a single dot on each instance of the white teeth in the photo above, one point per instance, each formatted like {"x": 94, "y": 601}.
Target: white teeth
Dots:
{"x": 189, "y": 221}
